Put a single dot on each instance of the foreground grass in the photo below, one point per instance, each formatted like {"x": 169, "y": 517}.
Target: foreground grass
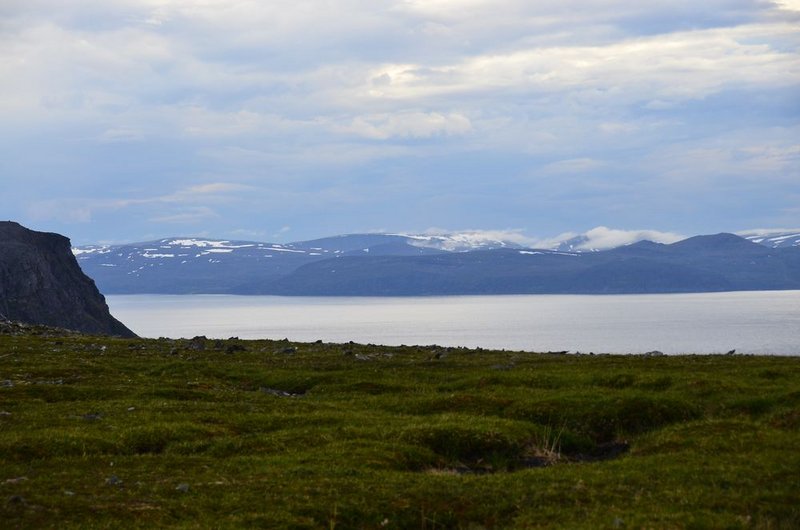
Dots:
{"x": 99, "y": 432}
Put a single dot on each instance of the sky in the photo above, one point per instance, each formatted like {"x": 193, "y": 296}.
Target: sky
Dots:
{"x": 129, "y": 120}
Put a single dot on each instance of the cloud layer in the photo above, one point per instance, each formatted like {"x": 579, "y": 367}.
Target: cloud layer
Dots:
{"x": 122, "y": 119}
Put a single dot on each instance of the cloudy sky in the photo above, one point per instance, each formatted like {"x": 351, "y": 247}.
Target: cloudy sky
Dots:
{"x": 125, "y": 120}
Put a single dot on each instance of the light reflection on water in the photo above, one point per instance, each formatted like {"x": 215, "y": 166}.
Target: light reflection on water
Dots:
{"x": 765, "y": 322}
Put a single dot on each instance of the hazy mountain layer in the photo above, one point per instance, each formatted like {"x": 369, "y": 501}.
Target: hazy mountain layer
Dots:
{"x": 392, "y": 264}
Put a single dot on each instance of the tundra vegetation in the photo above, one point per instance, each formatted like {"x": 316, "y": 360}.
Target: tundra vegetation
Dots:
{"x": 104, "y": 432}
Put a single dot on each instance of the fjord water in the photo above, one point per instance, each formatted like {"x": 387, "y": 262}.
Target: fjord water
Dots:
{"x": 763, "y": 322}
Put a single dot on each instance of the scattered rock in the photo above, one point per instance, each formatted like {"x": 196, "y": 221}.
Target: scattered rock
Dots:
{"x": 7, "y": 383}
{"x": 92, "y": 416}
{"x": 53, "y": 382}
{"x": 16, "y": 480}
{"x": 290, "y": 349}
{"x": 360, "y": 357}
{"x": 16, "y": 500}
{"x": 198, "y": 343}
{"x": 654, "y": 353}
{"x": 218, "y": 344}
{"x": 69, "y": 493}
{"x": 233, "y": 348}
{"x": 502, "y": 367}
{"x": 278, "y": 392}
{"x": 4, "y": 413}
{"x": 114, "y": 480}
{"x": 183, "y": 487}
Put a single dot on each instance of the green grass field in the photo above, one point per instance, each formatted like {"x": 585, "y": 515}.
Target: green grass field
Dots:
{"x": 98, "y": 432}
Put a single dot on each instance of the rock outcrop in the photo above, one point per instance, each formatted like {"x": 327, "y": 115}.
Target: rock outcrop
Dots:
{"x": 41, "y": 283}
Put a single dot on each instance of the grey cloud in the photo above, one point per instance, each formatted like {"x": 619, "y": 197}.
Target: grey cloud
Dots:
{"x": 573, "y": 104}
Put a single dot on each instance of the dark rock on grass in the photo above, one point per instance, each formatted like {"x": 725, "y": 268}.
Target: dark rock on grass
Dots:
{"x": 197, "y": 343}
{"x": 279, "y": 393}
{"x": 17, "y": 329}
{"x": 233, "y": 348}
{"x": 114, "y": 480}
{"x": 502, "y": 367}
{"x": 17, "y": 500}
{"x": 183, "y": 488}
{"x": 92, "y": 416}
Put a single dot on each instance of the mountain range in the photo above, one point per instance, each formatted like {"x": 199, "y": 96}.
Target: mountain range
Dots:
{"x": 403, "y": 265}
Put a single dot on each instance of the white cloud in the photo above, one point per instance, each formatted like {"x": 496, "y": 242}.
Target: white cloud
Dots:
{"x": 646, "y": 96}
{"x": 213, "y": 187}
{"x": 674, "y": 66}
{"x": 604, "y": 238}
{"x": 574, "y": 165}
{"x": 410, "y": 125}
{"x": 186, "y": 216}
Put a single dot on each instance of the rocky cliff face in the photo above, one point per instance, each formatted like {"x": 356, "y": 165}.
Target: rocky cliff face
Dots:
{"x": 41, "y": 283}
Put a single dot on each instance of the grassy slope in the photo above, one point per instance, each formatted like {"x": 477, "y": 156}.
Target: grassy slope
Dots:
{"x": 390, "y": 437}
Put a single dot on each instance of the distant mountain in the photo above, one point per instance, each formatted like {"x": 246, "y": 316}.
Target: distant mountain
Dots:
{"x": 723, "y": 262}
{"x": 400, "y": 264}
{"x": 773, "y": 238}
{"x": 191, "y": 265}
{"x": 41, "y": 283}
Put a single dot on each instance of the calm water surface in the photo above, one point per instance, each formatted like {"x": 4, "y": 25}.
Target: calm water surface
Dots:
{"x": 764, "y": 322}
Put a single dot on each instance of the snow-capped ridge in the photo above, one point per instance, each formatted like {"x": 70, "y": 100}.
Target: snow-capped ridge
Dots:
{"x": 773, "y": 237}
{"x": 468, "y": 240}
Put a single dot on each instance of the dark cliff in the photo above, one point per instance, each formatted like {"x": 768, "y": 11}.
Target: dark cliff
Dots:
{"x": 41, "y": 283}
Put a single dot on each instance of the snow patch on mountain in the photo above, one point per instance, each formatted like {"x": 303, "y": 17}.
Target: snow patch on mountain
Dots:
{"x": 468, "y": 240}
{"x": 773, "y": 237}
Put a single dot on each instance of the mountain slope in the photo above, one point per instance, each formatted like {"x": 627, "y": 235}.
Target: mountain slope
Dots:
{"x": 396, "y": 264}
{"x": 191, "y": 265}
{"x": 41, "y": 283}
{"x": 722, "y": 262}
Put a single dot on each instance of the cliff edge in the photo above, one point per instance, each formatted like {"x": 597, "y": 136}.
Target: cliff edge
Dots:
{"x": 41, "y": 283}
